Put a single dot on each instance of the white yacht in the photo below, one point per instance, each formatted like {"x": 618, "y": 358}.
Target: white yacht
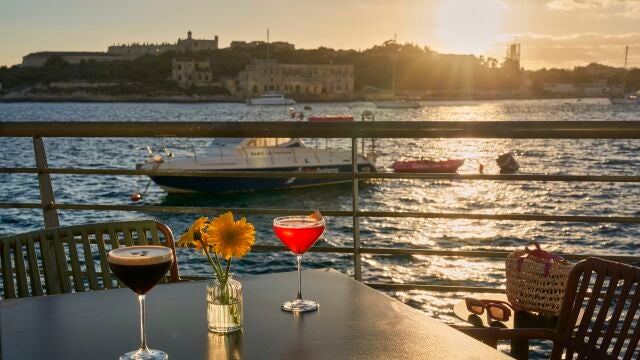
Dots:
{"x": 271, "y": 98}
{"x": 626, "y": 99}
{"x": 252, "y": 154}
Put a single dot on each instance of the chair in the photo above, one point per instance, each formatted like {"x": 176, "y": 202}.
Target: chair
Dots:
{"x": 606, "y": 294}
{"x": 73, "y": 258}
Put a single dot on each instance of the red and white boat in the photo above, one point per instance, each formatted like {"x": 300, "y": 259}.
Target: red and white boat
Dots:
{"x": 330, "y": 118}
{"x": 427, "y": 166}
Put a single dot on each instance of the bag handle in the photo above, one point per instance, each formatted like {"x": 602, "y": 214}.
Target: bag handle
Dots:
{"x": 537, "y": 252}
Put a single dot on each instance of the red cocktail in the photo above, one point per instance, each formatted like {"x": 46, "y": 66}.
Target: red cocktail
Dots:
{"x": 299, "y": 233}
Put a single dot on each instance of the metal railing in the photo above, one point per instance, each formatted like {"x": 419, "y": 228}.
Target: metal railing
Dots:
{"x": 353, "y": 131}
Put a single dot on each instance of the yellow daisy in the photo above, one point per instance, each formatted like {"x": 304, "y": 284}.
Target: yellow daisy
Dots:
{"x": 189, "y": 238}
{"x": 230, "y": 238}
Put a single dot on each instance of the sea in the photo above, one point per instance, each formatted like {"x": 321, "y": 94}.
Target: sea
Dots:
{"x": 576, "y": 157}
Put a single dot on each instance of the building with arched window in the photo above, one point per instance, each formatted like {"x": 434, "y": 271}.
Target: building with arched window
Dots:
{"x": 188, "y": 73}
{"x": 306, "y": 79}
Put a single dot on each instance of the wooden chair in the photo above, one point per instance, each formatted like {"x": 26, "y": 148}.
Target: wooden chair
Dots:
{"x": 607, "y": 293}
{"x": 74, "y": 258}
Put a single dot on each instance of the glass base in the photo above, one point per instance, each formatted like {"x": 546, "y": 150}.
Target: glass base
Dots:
{"x": 149, "y": 354}
{"x": 300, "y": 305}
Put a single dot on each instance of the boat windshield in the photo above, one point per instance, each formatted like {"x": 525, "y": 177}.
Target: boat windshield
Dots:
{"x": 228, "y": 142}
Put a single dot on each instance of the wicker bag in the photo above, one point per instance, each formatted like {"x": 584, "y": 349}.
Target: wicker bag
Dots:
{"x": 536, "y": 280}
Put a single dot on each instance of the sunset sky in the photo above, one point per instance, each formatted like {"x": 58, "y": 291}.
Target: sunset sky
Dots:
{"x": 553, "y": 33}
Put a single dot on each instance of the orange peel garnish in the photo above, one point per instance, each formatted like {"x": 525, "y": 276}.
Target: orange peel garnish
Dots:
{"x": 316, "y": 215}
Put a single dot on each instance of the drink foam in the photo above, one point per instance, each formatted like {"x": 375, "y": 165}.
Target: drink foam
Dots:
{"x": 298, "y": 222}
{"x": 140, "y": 255}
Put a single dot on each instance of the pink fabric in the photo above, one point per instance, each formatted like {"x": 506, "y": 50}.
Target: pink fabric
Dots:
{"x": 540, "y": 254}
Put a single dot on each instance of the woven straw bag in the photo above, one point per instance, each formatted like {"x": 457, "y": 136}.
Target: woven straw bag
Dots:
{"x": 536, "y": 280}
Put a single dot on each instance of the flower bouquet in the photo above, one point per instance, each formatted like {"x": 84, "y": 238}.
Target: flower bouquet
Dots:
{"x": 220, "y": 240}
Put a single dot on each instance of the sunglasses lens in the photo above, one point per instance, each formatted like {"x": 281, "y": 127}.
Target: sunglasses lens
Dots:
{"x": 476, "y": 309}
{"x": 497, "y": 313}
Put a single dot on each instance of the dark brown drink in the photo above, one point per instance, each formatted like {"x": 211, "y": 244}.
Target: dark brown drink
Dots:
{"x": 140, "y": 267}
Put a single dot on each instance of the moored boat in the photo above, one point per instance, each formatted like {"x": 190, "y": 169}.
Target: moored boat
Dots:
{"x": 271, "y": 98}
{"x": 427, "y": 166}
{"x": 252, "y": 154}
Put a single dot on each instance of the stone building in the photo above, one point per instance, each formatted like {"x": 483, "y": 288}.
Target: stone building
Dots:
{"x": 188, "y": 73}
{"x": 38, "y": 59}
{"x": 135, "y": 50}
{"x": 268, "y": 75}
{"x": 276, "y": 45}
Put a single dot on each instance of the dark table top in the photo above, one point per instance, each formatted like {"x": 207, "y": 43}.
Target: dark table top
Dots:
{"x": 354, "y": 322}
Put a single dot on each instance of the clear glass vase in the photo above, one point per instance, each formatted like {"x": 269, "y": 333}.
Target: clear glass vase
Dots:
{"x": 224, "y": 306}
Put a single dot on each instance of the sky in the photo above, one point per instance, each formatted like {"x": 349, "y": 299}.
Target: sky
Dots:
{"x": 552, "y": 33}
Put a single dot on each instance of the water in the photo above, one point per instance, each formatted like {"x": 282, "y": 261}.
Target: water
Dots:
{"x": 612, "y": 157}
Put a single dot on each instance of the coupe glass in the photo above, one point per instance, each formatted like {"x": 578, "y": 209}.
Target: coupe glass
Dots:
{"x": 299, "y": 233}
{"x": 140, "y": 268}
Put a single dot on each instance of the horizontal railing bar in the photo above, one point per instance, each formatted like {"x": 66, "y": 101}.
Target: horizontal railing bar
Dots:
{"x": 342, "y": 213}
{"x": 438, "y": 288}
{"x": 358, "y": 129}
{"x": 279, "y": 174}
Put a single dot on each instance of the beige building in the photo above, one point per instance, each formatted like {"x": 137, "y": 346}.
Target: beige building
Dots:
{"x": 72, "y": 57}
{"x": 131, "y": 51}
{"x": 276, "y": 45}
{"x": 188, "y": 73}
{"x": 268, "y": 75}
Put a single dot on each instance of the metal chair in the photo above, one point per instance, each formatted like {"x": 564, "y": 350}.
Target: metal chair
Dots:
{"x": 74, "y": 258}
{"x": 598, "y": 317}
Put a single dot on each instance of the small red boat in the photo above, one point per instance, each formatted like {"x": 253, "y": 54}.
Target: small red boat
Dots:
{"x": 427, "y": 166}
{"x": 330, "y": 118}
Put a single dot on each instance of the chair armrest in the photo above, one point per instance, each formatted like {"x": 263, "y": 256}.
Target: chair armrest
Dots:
{"x": 494, "y": 334}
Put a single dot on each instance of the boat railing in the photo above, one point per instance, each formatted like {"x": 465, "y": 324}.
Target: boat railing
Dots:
{"x": 348, "y": 130}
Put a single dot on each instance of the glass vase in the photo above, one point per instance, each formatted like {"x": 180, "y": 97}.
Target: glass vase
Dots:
{"x": 224, "y": 305}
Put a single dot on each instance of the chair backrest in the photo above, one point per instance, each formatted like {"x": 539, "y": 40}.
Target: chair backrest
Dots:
{"x": 73, "y": 258}
{"x": 599, "y": 316}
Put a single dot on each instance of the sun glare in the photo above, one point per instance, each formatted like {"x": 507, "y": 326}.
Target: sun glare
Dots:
{"x": 466, "y": 26}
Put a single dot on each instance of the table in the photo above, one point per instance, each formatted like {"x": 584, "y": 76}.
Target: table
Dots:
{"x": 354, "y": 322}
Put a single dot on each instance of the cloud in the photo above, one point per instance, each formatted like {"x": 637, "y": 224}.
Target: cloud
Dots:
{"x": 578, "y": 49}
{"x": 626, "y": 8}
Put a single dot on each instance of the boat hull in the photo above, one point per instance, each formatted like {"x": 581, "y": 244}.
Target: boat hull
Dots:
{"x": 397, "y": 104}
{"x": 203, "y": 184}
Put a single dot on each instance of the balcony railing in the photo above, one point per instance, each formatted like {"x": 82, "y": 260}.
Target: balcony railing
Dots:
{"x": 353, "y": 131}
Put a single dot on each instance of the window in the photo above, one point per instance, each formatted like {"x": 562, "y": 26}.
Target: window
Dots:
{"x": 189, "y": 77}
{"x": 199, "y": 77}
{"x": 306, "y": 89}
{"x": 339, "y": 87}
{"x": 179, "y": 78}
{"x": 255, "y": 89}
{"x": 271, "y": 87}
{"x": 179, "y": 67}
{"x": 297, "y": 88}
{"x": 266, "y": 88}
{"x": 277, "y": 87}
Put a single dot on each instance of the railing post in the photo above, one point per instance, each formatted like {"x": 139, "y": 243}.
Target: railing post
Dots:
{"x": 46, "y": 189}
{"x": 356, "y": 220}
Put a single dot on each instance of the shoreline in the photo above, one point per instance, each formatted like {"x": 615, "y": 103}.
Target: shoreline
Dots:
{"x": 86, "y": 98}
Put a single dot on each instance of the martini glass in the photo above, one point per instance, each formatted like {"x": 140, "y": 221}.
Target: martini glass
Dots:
{"x": 140, "y": 268}
{"x": 298, "y": 233}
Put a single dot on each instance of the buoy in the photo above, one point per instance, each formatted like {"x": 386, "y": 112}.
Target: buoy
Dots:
{"x": 136, "y": 196}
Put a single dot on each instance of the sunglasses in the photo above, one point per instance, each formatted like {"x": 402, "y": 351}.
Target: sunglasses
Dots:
{"x": 496, "y": 309}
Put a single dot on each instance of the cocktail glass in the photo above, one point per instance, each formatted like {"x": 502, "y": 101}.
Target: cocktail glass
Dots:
{"x": 299, "y": 233}
{"x": 140, "y": 268}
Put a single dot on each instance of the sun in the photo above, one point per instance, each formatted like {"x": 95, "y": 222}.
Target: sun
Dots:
{"x": 469, "y": 26}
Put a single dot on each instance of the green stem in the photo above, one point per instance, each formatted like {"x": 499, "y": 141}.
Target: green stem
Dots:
{"x": 226, "y": 272}
{"x": 216, "y": 268}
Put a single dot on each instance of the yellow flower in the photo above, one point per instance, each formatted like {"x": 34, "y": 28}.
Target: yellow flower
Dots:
{"x": 189, "y": 238}
{"x": 230, "y": 238}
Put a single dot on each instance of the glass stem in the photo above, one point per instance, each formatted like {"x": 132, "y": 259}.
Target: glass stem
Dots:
{"x": 143, "y": 335}
{"x": 299, "y": 258}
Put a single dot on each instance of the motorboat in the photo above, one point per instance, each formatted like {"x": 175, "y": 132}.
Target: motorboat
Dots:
{"x": 271, "y": 98}
{"x": 252, "y": 154}
{"x": 330, "y": 118}
{"x": 629, "y": 99}
{"x": 427, "y": 166}
{"x": 397, "y": 104}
